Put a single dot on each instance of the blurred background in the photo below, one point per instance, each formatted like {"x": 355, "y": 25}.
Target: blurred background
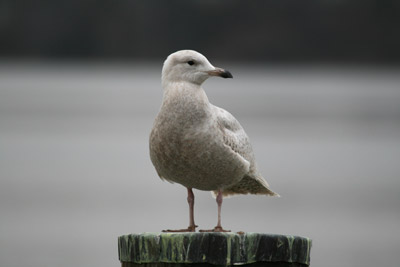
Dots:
{"x": 316, "y": 86}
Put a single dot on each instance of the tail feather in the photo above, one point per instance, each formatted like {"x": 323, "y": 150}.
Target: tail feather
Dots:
{"x": 249, "y": 185}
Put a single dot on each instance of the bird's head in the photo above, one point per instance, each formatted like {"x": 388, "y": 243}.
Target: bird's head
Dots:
{"x": 190, "y": 66}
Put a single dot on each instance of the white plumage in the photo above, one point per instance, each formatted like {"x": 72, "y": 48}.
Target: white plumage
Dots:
{"x": 197, "y": 144}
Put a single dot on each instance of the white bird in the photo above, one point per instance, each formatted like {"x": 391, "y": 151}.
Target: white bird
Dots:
{"x": 197, "y": 144}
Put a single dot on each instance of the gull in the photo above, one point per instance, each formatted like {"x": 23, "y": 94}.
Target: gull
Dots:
{"x": 197, "y": 144}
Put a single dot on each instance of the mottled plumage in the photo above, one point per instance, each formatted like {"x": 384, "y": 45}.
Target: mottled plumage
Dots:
{"x": 195, "y": 143}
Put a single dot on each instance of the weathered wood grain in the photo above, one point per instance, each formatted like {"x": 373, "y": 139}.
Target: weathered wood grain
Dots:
{"x": 205, "y": 249}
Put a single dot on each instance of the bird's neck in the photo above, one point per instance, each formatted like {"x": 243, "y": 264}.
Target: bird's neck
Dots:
{"x": 185, "y": 92}
{"x": 185, "y": 99}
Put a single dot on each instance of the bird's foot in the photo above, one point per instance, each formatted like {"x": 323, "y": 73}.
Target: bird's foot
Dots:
{"x": 189, "y": 229}
{"x": 217, "y": 229}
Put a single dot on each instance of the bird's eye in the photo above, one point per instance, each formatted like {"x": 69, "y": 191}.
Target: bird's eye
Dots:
{"x": 190, "y": 62}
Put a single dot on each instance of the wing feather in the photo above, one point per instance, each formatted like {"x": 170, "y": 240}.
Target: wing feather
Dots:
{"x": 234, "y": 135}
{"x": 236, "y": 138}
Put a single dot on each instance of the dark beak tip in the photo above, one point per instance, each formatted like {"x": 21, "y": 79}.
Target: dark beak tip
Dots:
{"x": 226, "y": 74}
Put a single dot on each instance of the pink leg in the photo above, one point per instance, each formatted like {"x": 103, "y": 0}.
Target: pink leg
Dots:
{"x": 190, "y": 200}
{"x": 192, "y": 226}
{"x": 218, "y": 228}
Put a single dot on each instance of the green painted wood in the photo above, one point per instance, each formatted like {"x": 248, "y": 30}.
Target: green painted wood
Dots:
{"x": 204, "y": 249}
{"x": 257, "y": 264}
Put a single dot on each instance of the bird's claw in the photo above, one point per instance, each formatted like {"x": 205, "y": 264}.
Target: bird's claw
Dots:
{"x": 217, "y": 229}
{"x": 191, "y": 228}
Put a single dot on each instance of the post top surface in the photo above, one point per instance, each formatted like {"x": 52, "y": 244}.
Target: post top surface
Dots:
{"x": 213, "y": 248}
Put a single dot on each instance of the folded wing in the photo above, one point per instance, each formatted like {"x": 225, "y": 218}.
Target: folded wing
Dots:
{"x": 236, "y": 138}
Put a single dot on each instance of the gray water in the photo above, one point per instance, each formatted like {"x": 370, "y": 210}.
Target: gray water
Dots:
{"x": 75, "y": 171}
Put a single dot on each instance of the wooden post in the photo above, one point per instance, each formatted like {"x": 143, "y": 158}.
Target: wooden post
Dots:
{"x": 210, "y": 249}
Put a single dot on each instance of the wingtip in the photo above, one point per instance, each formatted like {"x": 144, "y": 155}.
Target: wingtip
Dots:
{"x": 272, "y": 194}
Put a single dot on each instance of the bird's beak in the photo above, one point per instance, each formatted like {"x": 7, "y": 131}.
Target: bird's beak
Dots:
{"x": 220, "y": 72}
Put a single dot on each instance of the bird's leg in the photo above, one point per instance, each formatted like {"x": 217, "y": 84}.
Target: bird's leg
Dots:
{"x": 192, "y": 226}
{"x": 190, "y": 200}
{"x": 218, "y": 228}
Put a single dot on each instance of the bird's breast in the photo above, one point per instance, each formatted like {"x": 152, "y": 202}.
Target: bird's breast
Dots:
{"x": 187, "y": 147}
